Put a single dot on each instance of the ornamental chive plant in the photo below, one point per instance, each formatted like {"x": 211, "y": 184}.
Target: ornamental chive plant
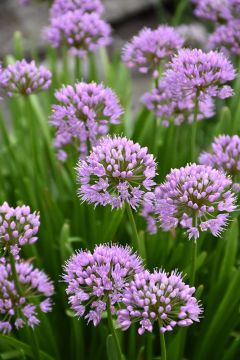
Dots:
{"x": 119, "y": 223}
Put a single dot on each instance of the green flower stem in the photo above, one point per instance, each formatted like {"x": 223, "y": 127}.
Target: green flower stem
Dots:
{"x": 14, "y": 274}
{"x": 113, "y": 331}
{"x": 78, "y": 69}
{"x": 31, "y": 334}
{"x": 194, "y": 128}
{"x": 136, "y": 239}
{"x": 34, "y": 344}
{"x": 162, "y": 342}
{"x": 193, "y": 262}
{"x": 92, "y": 70}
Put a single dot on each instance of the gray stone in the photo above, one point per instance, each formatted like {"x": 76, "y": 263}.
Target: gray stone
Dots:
{"x": 31, "y": 19}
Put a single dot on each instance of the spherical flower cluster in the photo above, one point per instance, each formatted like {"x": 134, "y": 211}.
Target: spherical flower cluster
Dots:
{"x": 196, "y": 72}
{"x": 227, "y": 37}
{"x": 194, "y": 35}
{"x": 215, "y": 10}
{"x": 96, "y": 280}
{"x": 19, "y": 309}
{"x": 116, "y": 171}
{"x": 25, "y": 78}
{"x": 84, "y": 114}
{"x": 151, "y": 48}
{"x": 80, "y": 32}
{"x": 60, "y": 7}
{"x": 18, "y": 226}
{"x": 175, "y": 109}
{"x": 158, "y": 297}
{"x": 220, "y": 11}
{"x": 196, "y": 197}
{"x": 225, "y": 155}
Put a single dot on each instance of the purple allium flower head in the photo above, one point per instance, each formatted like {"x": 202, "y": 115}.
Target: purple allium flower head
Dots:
{"x": 19, "y": 309}
{"x": 196, "y": 197}
{"x": 94, "y": 279}
{"x": 193, "y": 71}
{"x": 150, "y": 49}
{"x": 60, "y": 7}
{"x": 116, "y": 171}
{"x": 224, "y": 155}
{"x": 18, "y": 226}
{"x": 227, "y": 38}
{"x": 80, "y": 32}
{"x": 220, "y": 11}
{"x": 83, "y": 115}
{"x": 215, "y": 10}
{"x": 175, "y": 109}
{"x": 158, "y": 297}
{"x": 25, "y": 78}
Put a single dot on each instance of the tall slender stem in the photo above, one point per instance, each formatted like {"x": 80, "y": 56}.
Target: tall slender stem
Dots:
{"x": 136, "y": 239}
{"x": 162, "y": 342}
{"x": 31, "y": 334}
{"x": 14, "y": 274}
{"x": 78, "y": 70}
{"x": 194, "y": 128}
{"x": 113, "y": 332}
{"x": 193, "y": 262}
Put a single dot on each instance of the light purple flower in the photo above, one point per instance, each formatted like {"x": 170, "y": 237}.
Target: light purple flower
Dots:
{"x": 116, "y": 171}
{"x": 215, "y": 10}
{"x": 83, "y": 115}
{"x": 150, "y": 49}
{"x": 193, "y": 71}
{"x": 158, "y": 297}
{"x": 227, "y": 38}
{"x": 224, "y": 155}
{"x": 19, "y": 310}
{"x": 25, "y": 78}
{"x": 18, "y": 226}
{"x": 173, "y": 109}
{"x": 94, "y": 279}
{"x": 196, "y": 197}
{"x": 60, "y": 7}
{"x": 220, "y": 11}
{"x": 80, "y": 32}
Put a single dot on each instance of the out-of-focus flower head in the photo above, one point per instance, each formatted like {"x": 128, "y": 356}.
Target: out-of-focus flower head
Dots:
{"x": 83, "y": 115}
{"x": 149, "y": 206}
{"x": 193, "y": 71}
{"x": 227, "y": 38}
{"x": 175, "y": 109}
{"x": 19, "y": 309}
{"x": 24, "y": 78}
{"x": 151, "y": 49}
{"x": 60, "y": 7}
{"x": 215, "y": 10}
{"x": 196, "y": 197}
{"x": 96, "y": 280}
{"x": 18, "y": 226}
{"x": 80, "y": 32}
{"x": 24, "y": 2}
{"x": 158, "y": 297}
{"x": 116, "y": 171}
{"x": 219, "y": 11}
{"x": 224, "y": 155}
{"x": 195, "y": 35}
